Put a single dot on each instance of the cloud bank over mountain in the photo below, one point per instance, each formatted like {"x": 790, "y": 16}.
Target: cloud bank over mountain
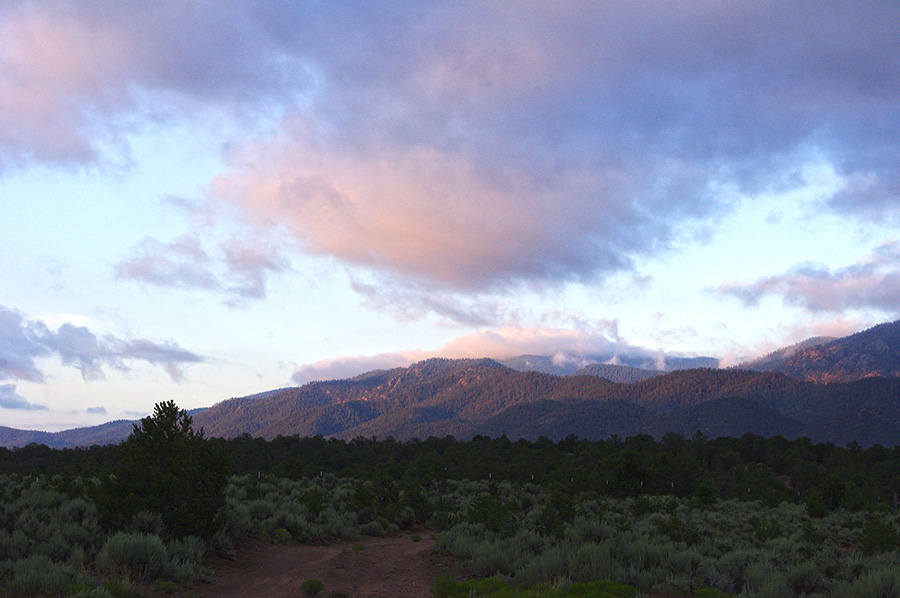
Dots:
{"x": 467, "y": 146}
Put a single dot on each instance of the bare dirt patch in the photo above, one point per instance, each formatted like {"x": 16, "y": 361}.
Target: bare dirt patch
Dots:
{"x": 384, "y": 567}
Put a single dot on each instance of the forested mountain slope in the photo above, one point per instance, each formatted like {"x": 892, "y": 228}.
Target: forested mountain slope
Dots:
{"x": 871, "y": 353}
{"x": 468, "y": 397}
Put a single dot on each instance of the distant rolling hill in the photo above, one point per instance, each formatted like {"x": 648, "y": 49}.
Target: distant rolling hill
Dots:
{"x": 836, "y": 390}
{"x": 109, "y": 433}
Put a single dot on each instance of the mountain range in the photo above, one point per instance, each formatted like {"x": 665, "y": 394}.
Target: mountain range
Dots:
{"x": 829, "y": 390}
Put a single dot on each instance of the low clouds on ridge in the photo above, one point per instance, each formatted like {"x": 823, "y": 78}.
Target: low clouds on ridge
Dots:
{"x": 564, "y": 344}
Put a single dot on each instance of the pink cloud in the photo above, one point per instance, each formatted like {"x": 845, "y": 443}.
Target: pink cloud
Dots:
{"x": 564, "y": 345}
{"x": 180, "y": 264}
{"x": 432, "y": 216}
{"x": 248, "y": 263}
{"x": 240, "y": 271}
{"x": 873, "y": 282}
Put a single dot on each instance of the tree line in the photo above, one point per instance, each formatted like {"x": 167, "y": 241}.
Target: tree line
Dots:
{"x": 773, "y": 470}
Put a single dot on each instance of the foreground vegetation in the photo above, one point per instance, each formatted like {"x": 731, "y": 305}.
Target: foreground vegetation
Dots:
{"x": 666, "y": 545}
{"x": 747, "y": 517}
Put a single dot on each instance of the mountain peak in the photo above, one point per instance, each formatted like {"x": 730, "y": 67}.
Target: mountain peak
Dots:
{"x": 874, "y": 352}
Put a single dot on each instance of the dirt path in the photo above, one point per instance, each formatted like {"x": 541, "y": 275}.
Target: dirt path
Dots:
{"x": 385, "y": 567}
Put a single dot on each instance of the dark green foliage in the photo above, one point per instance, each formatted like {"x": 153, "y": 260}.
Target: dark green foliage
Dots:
{"x": 492, "y": 587}
{"x": 773, "y": 469}
{"x": 168, "y": 468}
{"x": 489, "y": 511}
{"x": 765, "y": 530}
{"x": 878, "y": 536}
{"x": 815, "y": 505}
{"x": 443, "y": 587}
{"x": 313, "y": 502}
{"x": 679, "y": 530}
{"x": 38, "y": 576}
{"x": 311, "y": 587}
{"x": 642, "y": 505}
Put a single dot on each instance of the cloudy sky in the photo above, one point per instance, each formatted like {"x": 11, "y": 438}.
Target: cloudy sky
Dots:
{"x": 204, "y": 199}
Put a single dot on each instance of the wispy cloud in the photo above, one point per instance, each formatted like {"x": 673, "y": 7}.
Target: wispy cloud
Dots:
{"x": 22, "y": 341}
{"x": 873, "y": 282}
{"x": 10, "y": 399}
{"x": 248, "y": 264}
{"x": 239, "y": 270}
{"x": 180, "y": 264}
{"x": 76, "y": 73}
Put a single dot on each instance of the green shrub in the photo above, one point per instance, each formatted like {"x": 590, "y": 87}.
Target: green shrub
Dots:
{"x": 139, "y": 556}
{"x": 679, "y": 530}
{"x": 91, "y": 593}
{"x": 765, "y": 530}
{"x": 642, "y": 505}
{"x": 37, "y": 576}
{"x": 166, "y": 586}
{"x": 189, "y": 549}
{"x": 591, "y": 562}
{"x": 806, "y": 579}
{"x": 878, "y": 536}
{"x": 311, "y": 587}
{"x": 483, "y": 587}
{"x": 186, "y": 556}
{"x": 884, "y": 583}
{"x": 443, "y": 587}
{"x": 602, "y": 589}
{"x": 489, "y": 559}
{"x": 282, "y": 536}
{"x": 121, "y": 588}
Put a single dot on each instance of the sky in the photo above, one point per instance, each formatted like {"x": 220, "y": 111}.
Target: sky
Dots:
{"x": 207, "y": 199}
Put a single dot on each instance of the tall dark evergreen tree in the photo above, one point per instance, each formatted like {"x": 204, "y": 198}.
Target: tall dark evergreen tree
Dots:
{"x": 168, "y": 468}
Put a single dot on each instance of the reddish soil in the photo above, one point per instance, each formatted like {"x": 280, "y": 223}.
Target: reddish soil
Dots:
{"x": 385, "y": 567}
